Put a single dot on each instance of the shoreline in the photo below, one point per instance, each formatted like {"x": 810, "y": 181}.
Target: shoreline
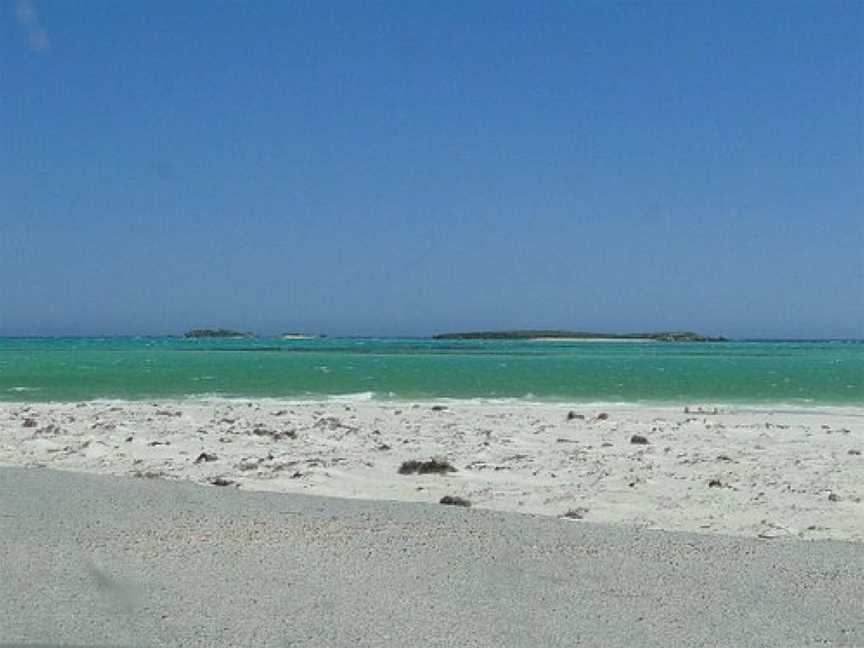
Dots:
{"x": 802, "y": 405}
{"x": 778, "y": 472}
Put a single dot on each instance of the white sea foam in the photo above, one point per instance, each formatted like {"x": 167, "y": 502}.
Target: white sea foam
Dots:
{"x": 356, "y": 396}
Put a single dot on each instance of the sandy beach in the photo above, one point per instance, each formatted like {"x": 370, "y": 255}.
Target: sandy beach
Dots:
{"x": 744, "y": 471}
{"x": 91, "y": 560}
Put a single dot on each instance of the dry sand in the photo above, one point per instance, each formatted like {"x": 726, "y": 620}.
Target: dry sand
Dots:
{"x": 111, "y": 561}
{"x": 747, "y": 471}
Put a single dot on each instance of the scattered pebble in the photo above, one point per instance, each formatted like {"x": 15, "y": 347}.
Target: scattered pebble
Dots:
{"x": 638, "y": 439}
{"x": 575, "y": 513}
{"x": 276, "y": 436}
{"x": 714, "y": 483}
{"x": 454, "y": 500}
{"x": 206, "y": 456}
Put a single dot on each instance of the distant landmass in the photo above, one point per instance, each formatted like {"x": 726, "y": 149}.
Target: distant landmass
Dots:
{"x": 664, "y": 336}
{"x": 220, "y": 333}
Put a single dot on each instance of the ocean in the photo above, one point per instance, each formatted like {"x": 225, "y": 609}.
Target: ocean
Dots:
{"x": 135, "y": 368}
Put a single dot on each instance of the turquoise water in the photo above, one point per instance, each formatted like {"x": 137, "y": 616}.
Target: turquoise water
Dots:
{"x": 51, "y": 369}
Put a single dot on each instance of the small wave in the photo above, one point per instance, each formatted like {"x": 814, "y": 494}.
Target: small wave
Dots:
{"x": 356, "y": 396}
{"x": 23, "y": 389}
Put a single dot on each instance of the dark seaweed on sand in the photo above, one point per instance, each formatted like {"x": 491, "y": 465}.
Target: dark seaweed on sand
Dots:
{"x": 425, "y": 467}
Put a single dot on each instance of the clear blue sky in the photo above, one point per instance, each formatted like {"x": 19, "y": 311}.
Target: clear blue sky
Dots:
{"x": 412, "y": 167}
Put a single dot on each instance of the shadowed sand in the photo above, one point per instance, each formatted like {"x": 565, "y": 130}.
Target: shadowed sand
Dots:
{"x": 94, "y": 560}
{"x": 731, "y": 470}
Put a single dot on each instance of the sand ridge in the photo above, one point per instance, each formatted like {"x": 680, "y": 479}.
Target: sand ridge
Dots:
{"x": 756, "y": 472}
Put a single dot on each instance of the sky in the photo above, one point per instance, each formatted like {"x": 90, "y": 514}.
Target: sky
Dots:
{"x": 407, "y": 168}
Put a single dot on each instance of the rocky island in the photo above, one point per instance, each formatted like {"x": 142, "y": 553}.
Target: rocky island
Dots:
{"x": 662, "y": 336}
{"x": 220, "y": 333}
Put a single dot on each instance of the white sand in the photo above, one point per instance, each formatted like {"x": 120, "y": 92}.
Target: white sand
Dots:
{"x": 782, "y": 472}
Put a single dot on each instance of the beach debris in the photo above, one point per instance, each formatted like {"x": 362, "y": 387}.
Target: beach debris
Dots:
{"x": 206, "y": 456}
{"x": 577, "y": 513}
{"x": 834, "y": 497}
{"x": 714, "y": 483}
{"x": 854, "y": 451}
{"x": 158, "y": 443}
{"x": 329, "y": 422}
{"x": 602, "y": 416}
{"x": 129, "y": 438}
{"x": 701, "y": 410}
{"x": 168, "y": 413}
{"x": 30, "y": 422}
{"x": 273, "y": 434}
{"x": 572, "y": 416}
{"x": 438, "y": 408}
{"x": 384, "y": 446}
{"x": 49, "y": 429}
{"x": 454, "y": 500}
{"x": 439, "y": 466}
{"x": 606, "y": 444}
{"x": 772, "y": 530}
{"x": 249, "y": 464}
{"x": 724, "y": 457}
{"x": 638, "y": 439}
{"x": 148, "y": 474}
{"x": 332, "y": 423}
{"x": 222, "y": 481}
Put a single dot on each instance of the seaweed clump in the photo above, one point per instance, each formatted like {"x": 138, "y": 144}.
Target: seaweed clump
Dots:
{"x": 415, "y": 467}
